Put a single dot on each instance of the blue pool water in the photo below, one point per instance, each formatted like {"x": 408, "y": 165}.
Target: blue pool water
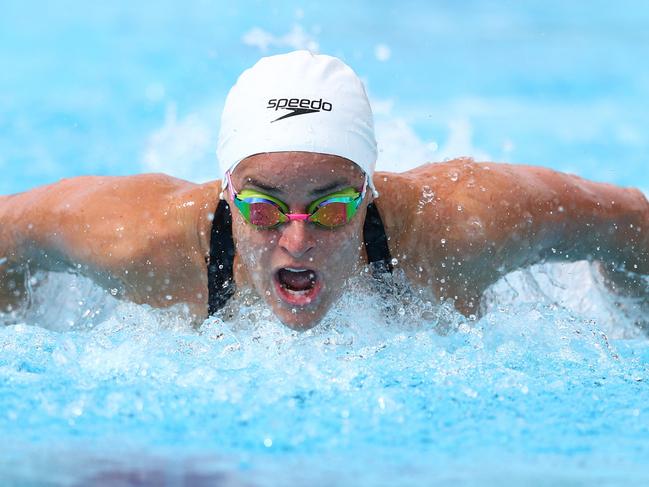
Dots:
{"x": 401, "y": 391}
{"x": 549, "y": 387}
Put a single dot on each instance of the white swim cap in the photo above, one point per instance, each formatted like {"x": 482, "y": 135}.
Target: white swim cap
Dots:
{"x": 298, "y": 101}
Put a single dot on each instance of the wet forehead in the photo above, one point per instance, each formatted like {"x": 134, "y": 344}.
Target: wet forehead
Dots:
{"x": 291, "y": 172}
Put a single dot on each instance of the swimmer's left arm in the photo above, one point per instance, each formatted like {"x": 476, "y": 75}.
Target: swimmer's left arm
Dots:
{"x": 486, "y": 220}
{"x": 537, "y": 214}
{"x": 12, "y": 275}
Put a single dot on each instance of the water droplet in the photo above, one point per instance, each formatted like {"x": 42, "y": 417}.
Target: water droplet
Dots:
{"x": 427, "y": 194}
{"x": 268, "y": 442}
{"x": 454, "y": 176}
{"x": 394, "y": 261}
{"x": 113, "y": 291}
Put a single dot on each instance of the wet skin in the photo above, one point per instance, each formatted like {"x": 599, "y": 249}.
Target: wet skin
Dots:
{"x": 332, "y": 255}
{"x": 454, "y": 227}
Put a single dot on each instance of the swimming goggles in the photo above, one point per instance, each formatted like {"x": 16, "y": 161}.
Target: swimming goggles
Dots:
{"x": 265, "y": 212}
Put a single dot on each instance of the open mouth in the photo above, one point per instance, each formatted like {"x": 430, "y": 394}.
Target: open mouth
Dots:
{"x": 297, "y": 286}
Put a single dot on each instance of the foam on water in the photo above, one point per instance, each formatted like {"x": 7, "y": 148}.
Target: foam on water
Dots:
{"x": 389, "y": 387}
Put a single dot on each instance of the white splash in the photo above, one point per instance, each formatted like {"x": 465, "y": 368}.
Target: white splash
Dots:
{"x": 402, "y": 148}
{"x": 296, "y": 38}
{"x": 185, "y": 147}
{"x": 382, "y": 52}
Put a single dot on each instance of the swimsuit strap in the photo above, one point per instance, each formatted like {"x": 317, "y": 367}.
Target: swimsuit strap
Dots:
{"x": 376, "y": 242}
{"x": 220, "y": 281}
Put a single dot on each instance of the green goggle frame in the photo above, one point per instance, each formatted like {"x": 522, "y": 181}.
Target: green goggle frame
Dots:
{"x": 330, "y": 211}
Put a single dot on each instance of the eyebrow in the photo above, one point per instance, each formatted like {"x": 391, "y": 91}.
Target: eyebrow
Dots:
{"x": 260, "y": 185}
{"x": 328, "y": 188}
{"x": 322, "y": 190}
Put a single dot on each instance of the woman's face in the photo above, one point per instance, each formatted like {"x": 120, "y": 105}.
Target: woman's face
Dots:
{"x": 298, "y": 268}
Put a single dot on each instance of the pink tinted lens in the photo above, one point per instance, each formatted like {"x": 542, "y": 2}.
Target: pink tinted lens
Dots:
{"x": 331, "y": 214}
{"x": 265, "y": 215}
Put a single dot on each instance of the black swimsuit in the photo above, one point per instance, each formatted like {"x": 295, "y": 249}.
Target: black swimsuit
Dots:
{"x": 220, "y": 282}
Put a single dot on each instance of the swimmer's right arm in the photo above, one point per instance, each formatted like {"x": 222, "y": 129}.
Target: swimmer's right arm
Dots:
{"x": 35, "y": 234}
{"x": 139, "y": 235}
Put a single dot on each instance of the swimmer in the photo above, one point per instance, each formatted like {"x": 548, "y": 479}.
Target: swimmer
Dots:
{"x": 299, "y": 209}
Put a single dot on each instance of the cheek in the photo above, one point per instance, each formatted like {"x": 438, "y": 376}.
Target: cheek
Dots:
{"x": 341, "y": 250}
{"x": 253, "y": 248}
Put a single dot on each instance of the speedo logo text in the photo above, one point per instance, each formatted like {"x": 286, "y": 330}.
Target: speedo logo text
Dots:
{"x": 298, "y": 106}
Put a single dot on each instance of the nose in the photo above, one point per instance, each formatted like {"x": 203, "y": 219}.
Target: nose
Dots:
{"x": 296, "y": 238}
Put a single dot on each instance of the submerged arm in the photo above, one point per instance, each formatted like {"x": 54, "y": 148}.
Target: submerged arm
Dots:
{"x": 486, "y": 220}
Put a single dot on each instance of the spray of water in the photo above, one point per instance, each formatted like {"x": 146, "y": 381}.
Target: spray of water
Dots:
{"x": 388, "y": 374}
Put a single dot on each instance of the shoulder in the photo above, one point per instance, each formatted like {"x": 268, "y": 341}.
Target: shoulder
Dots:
{"x": 137, "y": 186}
{"x": 113, "y": 220}
{"x": 149, "y": 211}
{"x": 110, "y": 195}
{"x": 434, "y": 188}
{"x": 438, "y": 206}
{"x": 465, "y": 180}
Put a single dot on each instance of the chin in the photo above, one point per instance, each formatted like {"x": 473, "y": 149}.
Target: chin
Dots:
{"x": 302, "y": 320}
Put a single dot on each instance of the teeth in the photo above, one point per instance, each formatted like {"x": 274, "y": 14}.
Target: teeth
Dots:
{"x": 297, "y": 293}
{"x": 295, "y": 270}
